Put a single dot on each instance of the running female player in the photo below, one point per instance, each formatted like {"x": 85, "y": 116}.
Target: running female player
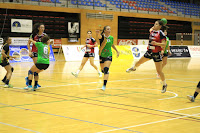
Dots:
{"x": 157, "y": 40}
{"x": 5, "y": 63}
{"x": 192, "y": 98}
{"x": 37, "y": 34}
{"x": 89, "y": 54}
{"x": 42, "y": 62}
{"x": 105, "y": 52}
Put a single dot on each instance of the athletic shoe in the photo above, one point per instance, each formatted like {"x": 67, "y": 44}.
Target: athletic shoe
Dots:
{"x": 8, "y": 86}
{"x": 26, "y": 79}
{"x": 38, "y": 85}
{"x": 191, "y": 98}
{"x": 130, "y": 69}
{"x": 75, "y": 74}
{"x": 35, "y": 88}
{"x": 100, "y": 74}
{"x": 28, "y": 87}
{"x": 103, "y": 88}
{"x": 164, "y": 88}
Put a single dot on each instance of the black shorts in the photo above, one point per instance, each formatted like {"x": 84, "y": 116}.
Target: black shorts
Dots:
{"x": 87, "y": 54}
{"x": 4, "y": 63}
{"x": 157, "y": 57}
{"x": 34, "y": 54}
{"x": 103, "y": 59}
{"x": 42, "y": 66}
{"x": 165, "y": 54}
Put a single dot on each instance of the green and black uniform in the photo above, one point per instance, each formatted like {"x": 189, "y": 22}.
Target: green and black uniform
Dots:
{"x": 4, "y": 61}
{"x": 106, "y": 54}
{"x": 166, "y": 52}
{"x": 43, "y": 56}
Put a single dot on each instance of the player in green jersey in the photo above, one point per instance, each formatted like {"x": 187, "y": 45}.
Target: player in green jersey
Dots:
{"x": 42, "y": 60}
{"x": 105, "y": 52}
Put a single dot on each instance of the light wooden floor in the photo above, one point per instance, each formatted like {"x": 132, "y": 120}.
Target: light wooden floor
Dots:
{"x": 132, "y": 102}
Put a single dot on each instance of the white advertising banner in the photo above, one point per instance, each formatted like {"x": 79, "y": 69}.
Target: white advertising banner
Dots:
{"x": 74, "y": 52}
{"x": 138, "y": 51}
{"x": 194, "y": 51}
{"x": 19, "y": 41}
{"x": 21, "y": 25}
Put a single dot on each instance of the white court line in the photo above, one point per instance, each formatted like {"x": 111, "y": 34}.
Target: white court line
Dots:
{"x": 146, "y": 124}
{"x": 186, "y": 108}
{"x": 149, "y": 89}
{"x": 182, "y": 80}
{"x": 19, "y": 127}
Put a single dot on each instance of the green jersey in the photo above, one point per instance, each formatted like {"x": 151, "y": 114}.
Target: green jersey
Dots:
{"x": 43, "y": 53}
{"x": 106, "y": 52}
{"x": 167, "y": 39}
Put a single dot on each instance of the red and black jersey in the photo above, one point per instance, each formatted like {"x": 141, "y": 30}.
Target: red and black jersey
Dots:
{"x": 90, "y": 41}
{"x": 157, "y": 36}
{"x": 37, "y": 38}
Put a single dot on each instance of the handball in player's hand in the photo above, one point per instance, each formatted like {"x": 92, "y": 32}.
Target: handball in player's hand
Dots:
{"x": 164, "y": 20}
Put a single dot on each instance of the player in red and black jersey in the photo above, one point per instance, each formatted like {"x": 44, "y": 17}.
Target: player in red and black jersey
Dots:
{"x": 89, "y": 54}
{"x": 157, "y": 41}
{"x": 37, "y": 34}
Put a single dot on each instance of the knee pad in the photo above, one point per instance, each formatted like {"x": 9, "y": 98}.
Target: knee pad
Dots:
{"x": 12, "y": 69}
{"x": 35, "y": 74}
{"x": 198, "y": 86}
{"x": 30, "y": 72}
{"x": 106, "y": 70}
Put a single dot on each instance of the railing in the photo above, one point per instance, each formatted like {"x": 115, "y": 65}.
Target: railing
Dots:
{"x": 160, "y": 7}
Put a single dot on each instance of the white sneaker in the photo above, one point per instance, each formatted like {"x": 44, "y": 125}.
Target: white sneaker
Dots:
{"x": 164, "y": 89}
{"x": 8, "y": 86}
{"x": 75, "y": 74}
{"x": 130, "y": 69}
{"x": 100, "y": 74}
{"x": 191, "y": 98}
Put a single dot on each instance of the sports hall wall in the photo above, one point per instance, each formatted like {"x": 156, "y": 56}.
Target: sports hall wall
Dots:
{"x": 93, "y": 23}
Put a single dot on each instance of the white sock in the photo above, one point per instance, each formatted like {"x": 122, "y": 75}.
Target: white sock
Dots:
{"x": 78, "y": 71}
{"x": 98, "y": 71}
{"x": 164, "y": 82}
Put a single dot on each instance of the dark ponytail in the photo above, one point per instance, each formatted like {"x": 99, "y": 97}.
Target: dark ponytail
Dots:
{"x": 163, "y": 28}
{"x": 5, "y": 40}
{"x": 104, "y": 28}
{"x": 35, "y": 28}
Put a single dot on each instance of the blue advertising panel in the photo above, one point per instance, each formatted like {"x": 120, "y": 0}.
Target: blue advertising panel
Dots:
{"x": 21, "y": 54}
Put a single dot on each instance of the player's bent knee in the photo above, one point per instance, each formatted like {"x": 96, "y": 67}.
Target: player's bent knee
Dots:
{"x": 106, "y": 70}
{"x": 35, "y": 74}
{"x": 30, "y": 72}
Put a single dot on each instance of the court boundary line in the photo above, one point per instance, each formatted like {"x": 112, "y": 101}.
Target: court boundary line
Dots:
{"x": 148, "y": 123}
{"x": 185, "y": 108}
{"x": 19, "y": 127}
{"x": 70, "y": 118}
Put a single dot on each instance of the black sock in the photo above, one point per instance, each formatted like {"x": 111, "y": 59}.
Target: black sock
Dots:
{"x": 195, "y": 94}
{"x": 7, "y": 82}
{"x": 4, "y": 79}
{"x": 104, "y": 82}
{"x": 36, "y": 83}
{"x": 29, "y": 82}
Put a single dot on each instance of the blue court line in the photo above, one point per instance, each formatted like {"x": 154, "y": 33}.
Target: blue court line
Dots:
{"x": 72, "y": 118}
{"x": 19, "y": 127}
